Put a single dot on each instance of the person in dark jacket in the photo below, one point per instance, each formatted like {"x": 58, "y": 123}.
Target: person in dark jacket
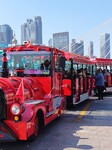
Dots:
{"x": 99, "y": 83}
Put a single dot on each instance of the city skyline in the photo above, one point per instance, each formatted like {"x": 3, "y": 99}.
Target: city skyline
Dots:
{"x": 63, "y": 43}
{"x": 32, "y": 31}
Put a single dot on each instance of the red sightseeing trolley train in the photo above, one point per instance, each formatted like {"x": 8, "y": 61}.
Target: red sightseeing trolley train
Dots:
{"x": 37, "y": 83}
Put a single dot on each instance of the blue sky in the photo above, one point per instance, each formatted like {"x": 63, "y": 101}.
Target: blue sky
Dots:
{"x": 78, "y": 17}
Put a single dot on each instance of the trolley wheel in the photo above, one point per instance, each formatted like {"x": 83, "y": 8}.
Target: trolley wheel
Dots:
{"x": 36, "y": 127}
{"x": 36, "y": 130}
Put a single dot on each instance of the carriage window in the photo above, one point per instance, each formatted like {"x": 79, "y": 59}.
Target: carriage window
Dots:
{"x": 91, "y": 69}
{"x": 67, "y": 65}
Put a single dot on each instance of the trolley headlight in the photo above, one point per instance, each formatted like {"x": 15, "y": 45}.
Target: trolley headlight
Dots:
{"x": 15, "y": 109}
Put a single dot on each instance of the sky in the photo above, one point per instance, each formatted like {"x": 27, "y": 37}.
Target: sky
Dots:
{"x": 83, "y": 19}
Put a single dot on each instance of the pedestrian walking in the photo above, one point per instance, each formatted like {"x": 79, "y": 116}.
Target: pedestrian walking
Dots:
{"x": 99, "y": 83}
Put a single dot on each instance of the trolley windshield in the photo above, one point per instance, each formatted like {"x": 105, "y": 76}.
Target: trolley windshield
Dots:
{"x": 30, "y": 62}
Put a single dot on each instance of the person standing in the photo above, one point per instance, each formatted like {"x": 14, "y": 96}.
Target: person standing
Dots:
{"x": 99, "y": 83}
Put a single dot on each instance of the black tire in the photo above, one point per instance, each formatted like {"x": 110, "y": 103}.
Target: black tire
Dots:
{"x": 36, "y": 130}
{"x": 2, "y": 104}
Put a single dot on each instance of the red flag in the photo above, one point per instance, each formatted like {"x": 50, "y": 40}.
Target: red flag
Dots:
{"x": 20, "y": 92}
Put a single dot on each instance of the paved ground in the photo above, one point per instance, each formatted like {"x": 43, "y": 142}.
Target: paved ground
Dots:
{"x": 95, "y": 130}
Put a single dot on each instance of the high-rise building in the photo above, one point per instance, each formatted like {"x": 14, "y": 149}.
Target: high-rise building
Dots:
{"x": 77, "y": 48}
{"x": 105, "y": 45}
{"x": 32, "y": 31}
{"x": 6, "y": 34}
{"x": 61, "y": 40}
{"x": 50, "y": 42}
{"x": 91, "y": 49}
{"x": 73, "y": 45}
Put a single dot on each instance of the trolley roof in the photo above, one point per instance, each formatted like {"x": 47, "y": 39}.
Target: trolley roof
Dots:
{"x": 101, "y": 61}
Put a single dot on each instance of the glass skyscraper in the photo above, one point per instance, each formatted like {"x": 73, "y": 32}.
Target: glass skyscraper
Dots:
{"x": 105, "y": 45}
{"x": 91, "y": 49}
{"x": 77, "y": 48}
{"x": 50, "y": 42}
{"x": 61, "y": 40}
{"x": 32, "y": 31}
{"x": 6, "y": 34}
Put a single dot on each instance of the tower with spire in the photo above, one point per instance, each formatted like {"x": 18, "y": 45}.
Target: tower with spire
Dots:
{"x": 14, "y": 40}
